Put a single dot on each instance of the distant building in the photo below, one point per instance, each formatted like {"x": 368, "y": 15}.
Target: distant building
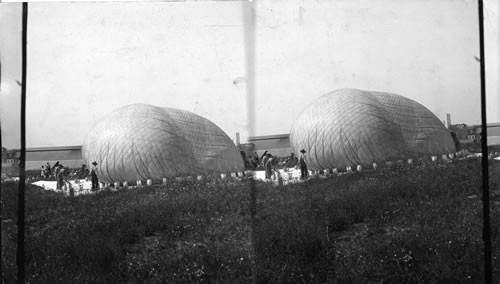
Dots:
{"x": 69, "y": 156}
{"x": 277, "y": 145}
{"x": 493, "y": 133}
{"x": 468, "y": 134}
{"x": 9, "y": 157}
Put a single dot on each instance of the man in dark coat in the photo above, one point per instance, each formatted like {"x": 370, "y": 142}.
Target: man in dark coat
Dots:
{"x": 304, "y": 173}
{"x": 95, "y": 180}
{"x": 48, "y": 168}
{"x": 255, "y": 161}
{"x": 268, "y": 165}
{"x": 61, "y": 175}
{"x": 83, "y": 172}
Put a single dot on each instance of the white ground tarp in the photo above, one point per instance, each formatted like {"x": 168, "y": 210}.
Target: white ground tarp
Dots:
{"x": 79, "y": 186}
{"x": 290, "y": 175}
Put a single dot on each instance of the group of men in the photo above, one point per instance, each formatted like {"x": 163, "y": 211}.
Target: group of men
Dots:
{"x": 61, "y": 173}
{"x": 252, "y": 161}
{"x": 58, "y": 171}
{"x": 304, "y": 173}
{"x": 268, "y": 161}
{"x": 48, "y": 171}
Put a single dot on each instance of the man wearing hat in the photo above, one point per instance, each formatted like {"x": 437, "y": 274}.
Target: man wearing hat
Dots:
{"x": 83, "y": 172}
{"x": 62, "y": 173}
{"x": 269, "y": 166}
{"x": 56, "y": 168}
{"x": 42, "y": 171}
{"x": 48, "y": 169}
{"x": 95, "y": 180}
{"x": 304, "y": 173}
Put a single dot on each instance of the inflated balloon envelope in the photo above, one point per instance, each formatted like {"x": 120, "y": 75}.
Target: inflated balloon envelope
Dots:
{"x": 350, "y": 127}
{"x": 140, "y": 142}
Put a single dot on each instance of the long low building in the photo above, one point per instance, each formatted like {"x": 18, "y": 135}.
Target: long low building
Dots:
{"x": 68, "y": 156}
{"x": 277, "y": 145}
{"x": 470, "y": 133}
{"x": 493, "y": 133}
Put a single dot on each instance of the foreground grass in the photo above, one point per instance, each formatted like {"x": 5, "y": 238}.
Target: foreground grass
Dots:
{"x": 394, "y": 225}
{"x": 422, "y": 225}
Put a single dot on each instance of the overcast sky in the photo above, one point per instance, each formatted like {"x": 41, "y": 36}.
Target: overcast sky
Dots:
{"x": 87, "y": 59}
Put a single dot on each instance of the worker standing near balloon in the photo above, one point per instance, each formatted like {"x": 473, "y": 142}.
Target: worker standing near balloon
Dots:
{"x": 95, "y": 180}
{"x": 269, "y": 166}
{"x": 43, "y": 172}
{"x": 263, "y": 159}
{"x": 48, "y": 169}
{"x": 255, "y": 161}
{"x": 304, "y": 173}
{"x": 62, "y": 172}
{"x": 56, "y": 169}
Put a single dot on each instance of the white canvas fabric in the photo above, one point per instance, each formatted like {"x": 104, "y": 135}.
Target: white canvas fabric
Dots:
{"x": 351, "y": 127}
{"x": 147, "y": 142}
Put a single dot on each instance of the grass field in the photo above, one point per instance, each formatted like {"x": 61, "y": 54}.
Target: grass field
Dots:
{"x": 392, "y": 225}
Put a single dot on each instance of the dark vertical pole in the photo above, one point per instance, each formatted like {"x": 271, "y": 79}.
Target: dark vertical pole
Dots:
{"x": 22, "y": 162}
{"x": 484, "y": 159}
{"x": 1, "y": 202}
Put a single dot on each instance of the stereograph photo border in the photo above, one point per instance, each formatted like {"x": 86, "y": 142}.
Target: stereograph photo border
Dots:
{"x": 272, "y": 54}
